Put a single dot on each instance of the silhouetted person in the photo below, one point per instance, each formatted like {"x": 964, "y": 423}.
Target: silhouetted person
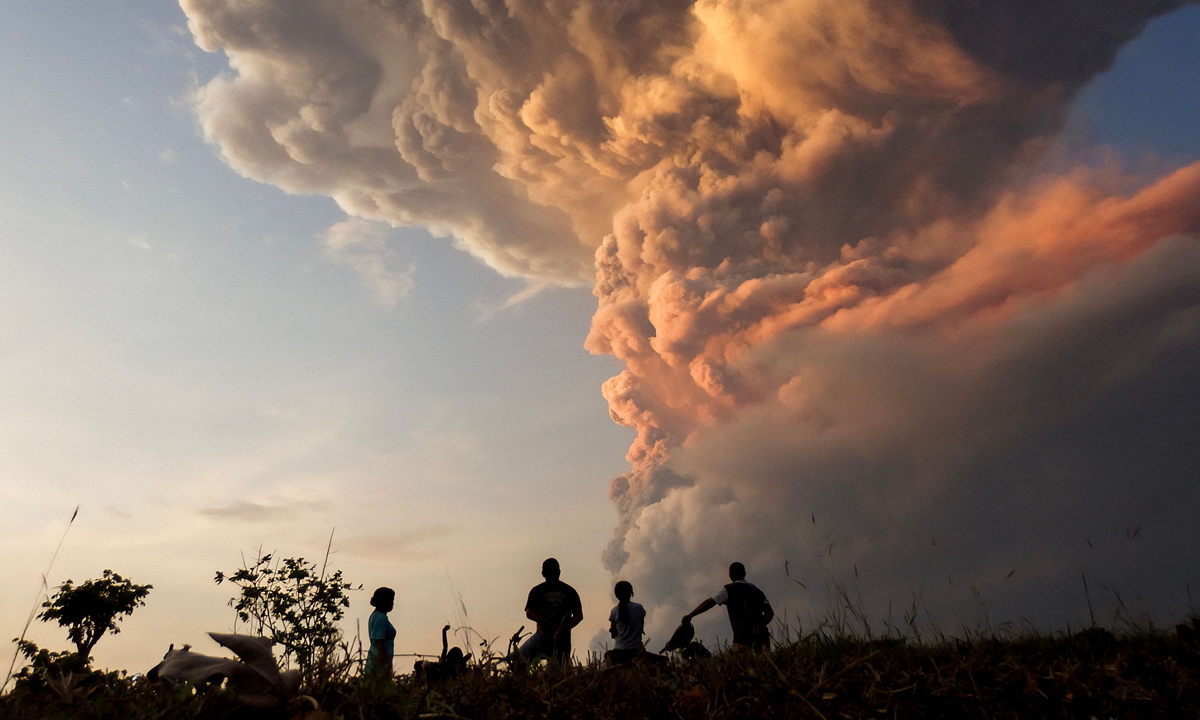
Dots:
{"x": 626, "y": 625}
{"x": 451, "y": 663}
{"x": 555, "y": 607}
{"x": 749, "y": 611}
{"x": 381, "y": 634}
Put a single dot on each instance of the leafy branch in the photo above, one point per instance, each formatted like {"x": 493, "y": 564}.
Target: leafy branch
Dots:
{"x": 292, "y": 603}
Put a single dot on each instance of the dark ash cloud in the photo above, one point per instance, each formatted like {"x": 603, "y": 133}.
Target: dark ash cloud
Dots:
{"x": 819, "y": 250}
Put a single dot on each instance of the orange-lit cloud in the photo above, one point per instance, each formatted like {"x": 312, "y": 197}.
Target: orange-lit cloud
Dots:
{"x": 763, "y": 185}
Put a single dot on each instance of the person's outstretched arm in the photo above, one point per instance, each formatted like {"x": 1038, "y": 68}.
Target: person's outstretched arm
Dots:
{"x": 445, "y": 645}
{"x": 702, "y": 608}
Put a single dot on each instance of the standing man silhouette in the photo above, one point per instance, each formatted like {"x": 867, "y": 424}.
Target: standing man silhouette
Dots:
{"x": 555, "y": 607}
{"x": 749, "y": 611}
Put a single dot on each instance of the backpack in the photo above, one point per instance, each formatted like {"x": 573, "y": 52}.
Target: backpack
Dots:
{"x": 745, "y": 606}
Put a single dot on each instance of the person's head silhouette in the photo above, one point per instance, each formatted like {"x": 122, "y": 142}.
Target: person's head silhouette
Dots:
{"x": 623, "y": 591}
{"x": 383, "y": 599}
{"x": 550, "y": 569}
{"x": 737, "y": 571}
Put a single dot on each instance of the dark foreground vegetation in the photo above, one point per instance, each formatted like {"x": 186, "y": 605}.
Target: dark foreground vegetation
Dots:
{"x": 1139, "y": 674}
{"x": 832, "y": 672}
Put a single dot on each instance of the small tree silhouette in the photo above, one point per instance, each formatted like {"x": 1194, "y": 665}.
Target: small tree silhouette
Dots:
{"x": 93, "y": 608}
{"x": 292, "y": 603}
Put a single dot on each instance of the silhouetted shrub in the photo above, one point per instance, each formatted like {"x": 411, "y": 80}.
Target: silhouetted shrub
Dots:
{"x": 93, "y": 608}
{"x": 298, "y": 607}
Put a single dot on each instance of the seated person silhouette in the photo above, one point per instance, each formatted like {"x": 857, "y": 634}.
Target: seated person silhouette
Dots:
{"x": 626, "y": 625}
{"x": 451, "y": 663}
{"x": 749, "y": 611}
{"x": 555, "y": 607}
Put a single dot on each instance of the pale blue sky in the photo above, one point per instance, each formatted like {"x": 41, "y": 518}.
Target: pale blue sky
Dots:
{"x": 181, "y": 356}
{"x": 175, "y": 340}
{"x": 1150, "y": 99}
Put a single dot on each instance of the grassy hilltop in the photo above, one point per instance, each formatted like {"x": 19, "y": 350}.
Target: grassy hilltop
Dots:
{"x": 1136, "y": 674}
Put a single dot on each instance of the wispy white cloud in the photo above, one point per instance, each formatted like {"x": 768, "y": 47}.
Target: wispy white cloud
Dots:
{"x": 485, "y": 310}
{"x": 168, "y": 39}
{"x": 362, "y": 244}
{"x": 259, "y": 511}
{"x": 410, "y": 545}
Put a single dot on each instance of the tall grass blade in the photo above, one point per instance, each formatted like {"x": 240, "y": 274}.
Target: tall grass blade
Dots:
{"x": 44, "y": 589}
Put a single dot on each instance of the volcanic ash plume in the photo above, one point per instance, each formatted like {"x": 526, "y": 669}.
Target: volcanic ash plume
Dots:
{"x": 853, "y": 305}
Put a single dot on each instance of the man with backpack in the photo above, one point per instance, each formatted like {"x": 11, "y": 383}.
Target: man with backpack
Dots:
{"x": 749, "y": 611}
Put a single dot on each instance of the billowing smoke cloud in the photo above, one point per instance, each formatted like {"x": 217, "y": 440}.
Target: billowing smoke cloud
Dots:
{"x": 851, "y": 308}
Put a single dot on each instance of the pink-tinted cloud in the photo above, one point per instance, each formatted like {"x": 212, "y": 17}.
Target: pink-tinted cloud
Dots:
{"x": 811, "y": 221}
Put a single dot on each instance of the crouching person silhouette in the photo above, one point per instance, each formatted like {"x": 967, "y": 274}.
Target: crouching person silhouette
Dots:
{"x": 555, "y": 607}
{"x": 749, "y": 611}
{"x": 450, "y": 664}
